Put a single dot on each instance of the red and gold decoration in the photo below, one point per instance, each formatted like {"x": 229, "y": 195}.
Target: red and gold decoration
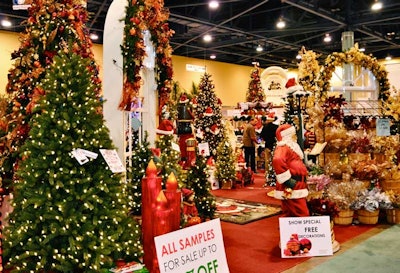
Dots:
{"x": 144, "y": 15}
{"x": 161, "y": 211}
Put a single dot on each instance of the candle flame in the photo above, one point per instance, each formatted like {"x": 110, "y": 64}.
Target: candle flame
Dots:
{"x": 172, "y": 183}
{"x": 161, "y": 201}
{"x": 151, "y": 169}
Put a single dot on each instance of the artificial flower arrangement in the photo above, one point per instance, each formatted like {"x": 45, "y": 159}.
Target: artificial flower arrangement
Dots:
{"x": 371, "y": 200}
{"x": 344, "y": 194}
{"x": 322, "y": 206}
{"x": 394, "y": 198}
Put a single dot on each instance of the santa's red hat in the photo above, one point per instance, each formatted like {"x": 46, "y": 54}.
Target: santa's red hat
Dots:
{"x": 214, "y": 129}
{"x": 208, "y": 112}
{"x": 285, "y": 131}
{"x": 292, "y": 86}
{"x": 194, "y": 102}
{"x": 186, "y": 192}
{"x": 166, "y": 127}
{"x": 291, "y": 82}
{"x": 183, "y": 99}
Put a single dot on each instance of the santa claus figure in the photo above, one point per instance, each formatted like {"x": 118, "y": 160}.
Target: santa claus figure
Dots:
{"x": 291, "y": 173}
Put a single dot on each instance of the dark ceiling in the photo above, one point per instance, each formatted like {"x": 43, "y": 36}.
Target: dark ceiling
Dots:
{"x": 239, "y": 26}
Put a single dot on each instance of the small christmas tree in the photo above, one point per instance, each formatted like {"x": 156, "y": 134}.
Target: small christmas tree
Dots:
{"x": 225, "y": 165}
{"x": 70, "y": 215}
{"x": 255, "y": 92}
{"x": 208, "y": 115}
{"x": 136, "y": 169}
{"x": 197, "y": 180}
{"x": 169, "y": 158}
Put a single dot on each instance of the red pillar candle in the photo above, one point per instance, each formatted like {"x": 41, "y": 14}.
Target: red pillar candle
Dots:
{"x": 151, "y": 186}
{"x": 162, "y": 225}
{"x": 174, "y": 197}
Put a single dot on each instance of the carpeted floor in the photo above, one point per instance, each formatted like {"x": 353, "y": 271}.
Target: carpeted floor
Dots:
{"x": 253, "y": 248}
{"x": 243, "y": 212}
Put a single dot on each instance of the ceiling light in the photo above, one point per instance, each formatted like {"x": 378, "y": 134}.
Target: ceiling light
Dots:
{"x": 327, "y": 38}
{"x": 281, "y": 23}
{"x": 6, "y": 23}
{"x": 213, "y": 56}
{"x": 213, "y": 4}
{"x": 94, "y": 36}
{"x": 298, "y": 57}
{"x": 388, "y": 58}
{"x": 207, "y": 38}
{"x": 259, "y": 48}
{"x": 361, "y": 49}
{"x": 376, "y": 5}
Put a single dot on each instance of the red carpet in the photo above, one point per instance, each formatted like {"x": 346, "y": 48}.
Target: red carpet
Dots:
{"x": 253, "y": 248}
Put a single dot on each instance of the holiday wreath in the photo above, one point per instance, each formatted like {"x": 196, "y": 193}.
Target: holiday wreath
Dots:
{"x": 144, "y": 15}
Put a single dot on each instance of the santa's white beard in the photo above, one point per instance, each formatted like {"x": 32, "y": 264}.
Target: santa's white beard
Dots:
{"x": 293, "y": 145}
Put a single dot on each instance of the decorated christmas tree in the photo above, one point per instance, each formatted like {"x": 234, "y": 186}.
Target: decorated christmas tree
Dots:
{"x": 208, "y": 115}
{"x": 169, "y": 158}
{"x": 197, "y": 180}
{"x": 225, "y": 165}
{"x": 136, "y": 169}
{"x": 255, "y": 92}
{"x": 50, "y": 25}
{"x": 70, "y": 210}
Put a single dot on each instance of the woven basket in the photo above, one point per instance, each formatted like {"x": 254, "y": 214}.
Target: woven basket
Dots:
{"x": 344, "y": 218}
{"x": 388, "y": 185}
{"x": 393, "y": 216}
{"x": 367, "y": 217}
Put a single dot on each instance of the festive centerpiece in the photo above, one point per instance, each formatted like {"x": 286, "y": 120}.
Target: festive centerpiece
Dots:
{"x": 344, "y": 194}
{"x": 368, "y": 203}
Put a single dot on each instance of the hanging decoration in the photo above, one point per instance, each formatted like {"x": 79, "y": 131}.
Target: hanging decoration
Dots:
{"x": 353, "y": 55}
{"x": 144, "y": 15}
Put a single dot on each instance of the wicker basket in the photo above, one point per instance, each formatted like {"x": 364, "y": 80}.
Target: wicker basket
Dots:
{"x": 368, "y": 217}
{"x": 393, "y": 216}
{"x": 388, "y": 185}
{"x": 344, "y": 218}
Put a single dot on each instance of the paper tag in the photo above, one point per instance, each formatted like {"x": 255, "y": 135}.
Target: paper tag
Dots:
{"x": 113, "y": 161}
{"x": 79, "y": 156}
{"x": 88, "y": 153}
{"x": 175, "y": 147}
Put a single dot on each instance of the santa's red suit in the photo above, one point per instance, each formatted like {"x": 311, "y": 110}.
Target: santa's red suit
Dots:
{"x": 291, "y": 186}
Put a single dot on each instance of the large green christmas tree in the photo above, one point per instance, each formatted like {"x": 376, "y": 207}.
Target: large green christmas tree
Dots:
{"x": 208, "y": 115}
{"x": 69, "y": 216}
{"x": 51, "y": 23}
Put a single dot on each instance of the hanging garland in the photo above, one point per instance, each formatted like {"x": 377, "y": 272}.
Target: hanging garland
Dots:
{"x": 357, "y": 58}
{"x": 144, "y": 15}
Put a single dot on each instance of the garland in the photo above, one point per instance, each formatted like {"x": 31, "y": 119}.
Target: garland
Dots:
{"x": 356, "y": 57}
{"x": 142, "y": 15}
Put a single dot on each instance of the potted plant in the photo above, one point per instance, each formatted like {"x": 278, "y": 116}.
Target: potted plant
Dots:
{"x": 368, "y": 204}
{"x": 344, "y": 194}
{"x": 393, "y": 214}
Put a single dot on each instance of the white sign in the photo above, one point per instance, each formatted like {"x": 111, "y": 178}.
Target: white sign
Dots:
{"x": 195, "y": 68}
{"x": 305, "y": 236}
{"x": 195, "y": 249}
{"x": 383, "y": 127}
{"x": 204, "y": 149}
{"x": 113, "y": 160}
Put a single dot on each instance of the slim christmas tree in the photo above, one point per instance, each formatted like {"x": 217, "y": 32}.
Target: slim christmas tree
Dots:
{"x": 169, "y": 158}
{"x": 197, "y": 180}
{"x": 208, "y": 115}
{"x": 255, "y": 92}
{"x": 50, "y": 25}
{"x": 69, "y": 215}
{"x": 136, "y": 169}
{"x": 225, "y": 163}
